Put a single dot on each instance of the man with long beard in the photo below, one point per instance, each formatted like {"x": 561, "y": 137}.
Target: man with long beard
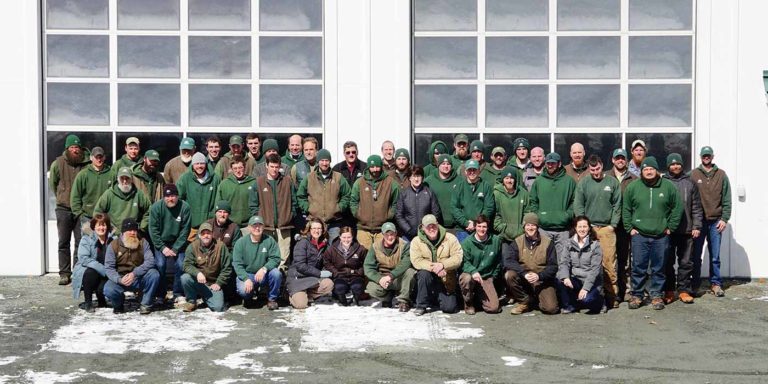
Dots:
{"x": 146, "y": 178}
{"x": 124, "y": 201}
{"x": 176, "y": 167}
{"x": 130, "y": 265}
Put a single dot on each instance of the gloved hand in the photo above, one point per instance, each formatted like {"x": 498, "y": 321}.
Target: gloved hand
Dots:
{"x": 325, "y": 274}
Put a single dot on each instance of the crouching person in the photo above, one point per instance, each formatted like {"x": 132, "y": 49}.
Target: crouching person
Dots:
{"x": 436, "y": 255}
{"x": 130, "y": 264}
{"x": 579, "y": 277}
{"x": 255, "y": 260}
{"x": 530, "y": 267}
{"x": 207, "y": 269}
{"x": 388, "y": 269}
{"x": 307, "y": 280}
{"x": 344, "y": 259}
{"x": 481, "y": 265}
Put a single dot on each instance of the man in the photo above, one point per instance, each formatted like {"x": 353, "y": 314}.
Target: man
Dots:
{"x": 471, "y": 198}
{"x": 443, "y": 184}
{"x": 270, "y": 148}
{"x": 492, "y": 172}
{"x": 351, "y": 168}
{"x": 373, "y": 201}
{"x": 551, "y": 198}
{"x": 124, "y": 201}
{"x": 198, "y": 188}
{"x": 176, "y": 167}
{"x": 436, "y": 149}
{"x": 295, "y": 151}
{"x": 131, "y": 156}
{"x": 639, "y": 151}
{"x": 255, "y": 259}
{"x": 253, "y": 142}
{"x": 235, "y": 150}
{"x": 535, "y": 168}
{"x": 273, "y": 198}
{"x": 651, "y": 211}
{"x": 304, "y": 167}
{"x": 476, "y": 153}
{"x": 388, "y": 156}
{"x": 129, "y": 264}
{"x": 480, "y": 266}
{"x": 207, "y": 270}
{"x": 530, "y": 266}
{"x": 213, "y": 149}
{"x": 621, "y": 173}
{"x": 146, "y": 178}
{"x": 577, "y": 168}
{"x": 522, "y": 148}
{"x": 169, "y": 225}
{"x": 62, "y": 175}
{"x": 460, "y": 151}
{"x": 681, "y": 240}
{"x": 325, "y": 194}
{"x": 388, "y": 269}
{"x": 236, "y": 190}
{"x": 89, "y": 185}
{"x": 511, "y": 203}
{"x": 402, "y": 170}
{"x": 224, "y": 230}
{"x": 599, "y": 198}
{"x": 715, "y": 190}
{"x": 436, "y": 255}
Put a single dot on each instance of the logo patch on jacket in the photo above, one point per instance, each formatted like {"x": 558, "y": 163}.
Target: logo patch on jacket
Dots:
{"x": 227, "y": 235}
{"x": 661, "y": 194}
{"x": 210, "y": 188}
{"x": 265, "y": 189}
{"x": 135, "y": 204}
{"x": 178, "y": 218}
{"x": 480, "y": 194}
{"x": 354, "y": 256}
{"x": 607, "y": 188}
{"x": 264, "y": 249}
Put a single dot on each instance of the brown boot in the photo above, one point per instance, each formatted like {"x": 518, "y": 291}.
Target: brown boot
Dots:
{"x": 188, "y": 306}
{"x": 669, "y": 297}
{"x": 685, "y": 297}
{"x": 520, "y": 308}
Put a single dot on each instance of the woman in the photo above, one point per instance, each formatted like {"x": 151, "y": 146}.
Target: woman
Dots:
{"x": 415, "y": 201}
{"x": 306, "y": 277}
{"x": 579, "y": 277}
{"x": 89, "y": 273}
{"x": 344, "y": 258}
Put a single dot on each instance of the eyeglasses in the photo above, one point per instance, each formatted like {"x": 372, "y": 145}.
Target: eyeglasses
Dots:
{"x": 350, "y": 152}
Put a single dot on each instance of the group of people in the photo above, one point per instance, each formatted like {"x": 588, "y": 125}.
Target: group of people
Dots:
{"x": 457, "y": 233}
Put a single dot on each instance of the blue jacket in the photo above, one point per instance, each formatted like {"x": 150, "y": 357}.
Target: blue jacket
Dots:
{"x": 86, "y": 258}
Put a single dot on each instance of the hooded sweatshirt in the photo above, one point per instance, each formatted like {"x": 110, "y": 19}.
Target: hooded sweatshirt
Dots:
{"x": 201, "y": 195}
{"x": 446, "y": 250}
{"x": 471, "y": 200}
{"x": 651, "y": 207}
{"x": 88, "y": 187}
{"x": 249, "y": 256}
{"x": 510, "y": 208}
{"x": 431, "y": 168}
{"x": 715, "y": 192}
{"x": 289, "y": 160}
{"x": 237, "y": 192}
{"x": 225, "y": 162}
{"x": 151, "y": 185}
{"x": 600, "y": 200}
{"x": 444, "y": 190}
{"x": 169, "y": 227}
{"x": 483, "y": 257}
{"x": 689, "y": 196}
{"x": 551, "y": 198}
{"x": 62, "y": 175}
{"x": 371, "y": 212}
{"x": 119, "y": 206}
{"x": 126, "y": 161}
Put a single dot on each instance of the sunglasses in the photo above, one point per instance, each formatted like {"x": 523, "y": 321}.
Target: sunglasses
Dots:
{"x": 350, "y": 152}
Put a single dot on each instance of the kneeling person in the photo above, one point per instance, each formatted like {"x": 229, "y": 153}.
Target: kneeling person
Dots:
{"x": 129, "y": 263}
{"x": 207, "y": 269}
{"x": 436, "y": 255}
{"x": 255, "y": 260}
{"x": 388, "y": 269}
{"x": 482, "y": 263}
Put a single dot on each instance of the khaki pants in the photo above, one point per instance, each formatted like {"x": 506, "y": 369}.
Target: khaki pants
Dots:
{"x": 283, "y": 238}
{"x": 607, "y": 238}
{"x": 192, "y": 235}
{"x": 300, "y": 300}
{"x": 521, "y": 290}
{"x": 403, "y": 285}
{"x": 366, "y": 238}
{"x": 488, "y": 296}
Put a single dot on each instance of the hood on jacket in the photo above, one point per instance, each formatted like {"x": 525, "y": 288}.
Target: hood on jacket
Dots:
{"x": 574, "y": 243}
{"x": 138, "y": 171}
{"x": 560, "y": 173}
{"x": 288, "y": 155}
{"x": 440, "y": 236}
{"x": 431, "y": 151}
{"x": 500, "y": 188}
{"x": 368, "y": 177}
{"x": 245, "y": 179}
{"x": 123, "y": 196}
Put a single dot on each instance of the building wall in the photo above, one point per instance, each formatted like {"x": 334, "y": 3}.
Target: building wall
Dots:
{"x": 367, "y": 96}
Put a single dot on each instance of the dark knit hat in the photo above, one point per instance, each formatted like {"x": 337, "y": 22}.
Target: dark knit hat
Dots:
{"x": 170, "y": 190}
{"x": 402, "y": 152}
{"x": 72, "y": 140}
{"x": 531, "y": 218}
{"x": 444, "y": 158}
{"x": 223, "y": 205}
{"x": 374, "y": 161}
{"x": 323, "y": 154}
{"x": 674, "y": 158}
{"x": 521, "y": 142}
{"x": 476, "y": 145}
{"x": 129, "y": 224}
{"x": 650, "y": 161}
{"x": 269, "y": 144}
{"x": 508, "y": 171}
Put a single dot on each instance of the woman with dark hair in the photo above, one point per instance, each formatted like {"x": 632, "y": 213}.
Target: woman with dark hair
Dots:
{"x": 415, "y": 201}
{"x": 89, "y": 274}
{"x": 306, "y": 278}
{"x": 579, "y": 276}
{"x": 345, "y": 258}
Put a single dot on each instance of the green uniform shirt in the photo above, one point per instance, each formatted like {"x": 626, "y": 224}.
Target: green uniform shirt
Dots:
{"x": 600, "y": 200}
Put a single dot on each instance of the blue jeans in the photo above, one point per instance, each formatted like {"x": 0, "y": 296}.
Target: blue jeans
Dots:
{"x": 192, "y": 289}
{"x": 708, "y": 232}
{"x": 461, "y": 235}
{"x": 147, "y": 283}
{"x": 648, "y": 251}
{"x": 160, "y": 264}
{"x": 569, "y": 296}
{"x": 272, "y": 279}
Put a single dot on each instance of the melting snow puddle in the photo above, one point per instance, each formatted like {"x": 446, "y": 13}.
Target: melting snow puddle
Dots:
{"x": 46, "y": 377}
{"x": 244, "y": 360}
{"x": 366, "y": 328}
{"x": 8, "y": 360}
{"x": 512, "y": 361}
{"x": 105, "y": 332}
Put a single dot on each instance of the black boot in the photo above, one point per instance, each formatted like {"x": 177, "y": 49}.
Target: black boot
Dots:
{"x": 342, "y": 298}
{"x": 356, "y": 299}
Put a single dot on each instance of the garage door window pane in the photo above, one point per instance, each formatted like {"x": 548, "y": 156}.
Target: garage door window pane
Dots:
{"x": 446, "y": 15}
{"x": 516, "y": 15}
{"x": 588, "y": 57}
{"x": 517, "y": 57}
{"x": 291, "y": 15}
{"x": 220, "y": 15}
{"x": 661, "y": 145}
{"x": 587, "y": 105}
{"x": 77, "y": 14}
{"x": 665, "y": 57}
{"x": 220, "y": 57}
{"x": 220, "y": 105}
{"x": 516, "y": 105}
{"x": 78, "y": 56}
{"x": 446, "y": 57}
{"x": 660, "y": 105}
{"x": 78, "y": 104}
{"x": 148, "y": 56}
{"x": 588, "y": 15}
{"x": 600, "y": 144}
{"x": 660, "y": 14}
{"x": 290, "y": 57}
{"x": 291, "y": 105}
{"x": 446, "y": 105}
{"x": 148, "y": 104}
{"x": 148, "y": 14}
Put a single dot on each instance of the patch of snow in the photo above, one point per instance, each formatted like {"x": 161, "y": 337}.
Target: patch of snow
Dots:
{"x": 8, "y": 360}
{"x": 512, "y": 361}
{"x": 230, "y": 381}
{"x": 242, "y": 360}
{"x": 105, "y": 332}
{"x": 120, "y": 376}
{"x": 2, "y": 297}
{"x": 366, "y": 328}
{"x": 48, "y": 377}
{"x": 762, "y": 298}
{"x": 598, "y": 366}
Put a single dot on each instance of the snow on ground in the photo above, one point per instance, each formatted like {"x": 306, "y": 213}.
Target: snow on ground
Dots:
{"x": 332, "y": 328}
{"x": 8, "y": 359}
{"x": 761, "y": 298}
{"x": 513, "y": 361}
{"x": 105, "y": 332}
{"x": 244, "y": 360}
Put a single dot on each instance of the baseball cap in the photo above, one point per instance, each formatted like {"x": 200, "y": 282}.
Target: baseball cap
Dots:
{"x": 170, "y": 190}
{"x": 619, "y": 152}
{"x": 124, "y": 171}
{"x": 388, "y": 227}
{"x": 640, "y": 143}
{"x": 552, "y": 157}
{"x": 255, "y": 220}
{"x": 235, "y": 140}
{"x": 428, "y": 220}
{"x": 706, "y": 150}
{"x": 499, "y": 150}
{"x": 187, "y": 143}
{"x": 460, "y": 138}
{"x": 471, "y": 164}
{"x": 152, "y": 155}
{"x": 205, "y": 227}
{"x": 132, "y": 140}
{"x": 96, "y": 151}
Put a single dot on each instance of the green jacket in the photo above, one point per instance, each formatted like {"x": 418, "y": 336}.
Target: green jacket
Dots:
{"x": 551, "y": 198}
{"x": 491, "y": 175}
{"x": 151, "y": 185}
{"x": 249, "y": 257}
{"x": 88, "y": 187}
{"x": 126, "y": 161}
{"x": 431, "y": 168}
{"x": 470, "y": 200}
{"x": 169, "y": 227}
{"x": 368, "y": 181}
{"x": 119, "y": 206}
{"x": 651, "y": 209}
{"x": 288, "y": 160}
{"x": 483, "y": 257}
{"x": 371, "y": 265}
{"x": 201, "y": 196}
{"x": 62, "y": 175}
{"x": 598, "y": 200}
{"x": 237, "y": 192}
{"x": 444, "y": 190}
{"x": 510, "y": 208}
